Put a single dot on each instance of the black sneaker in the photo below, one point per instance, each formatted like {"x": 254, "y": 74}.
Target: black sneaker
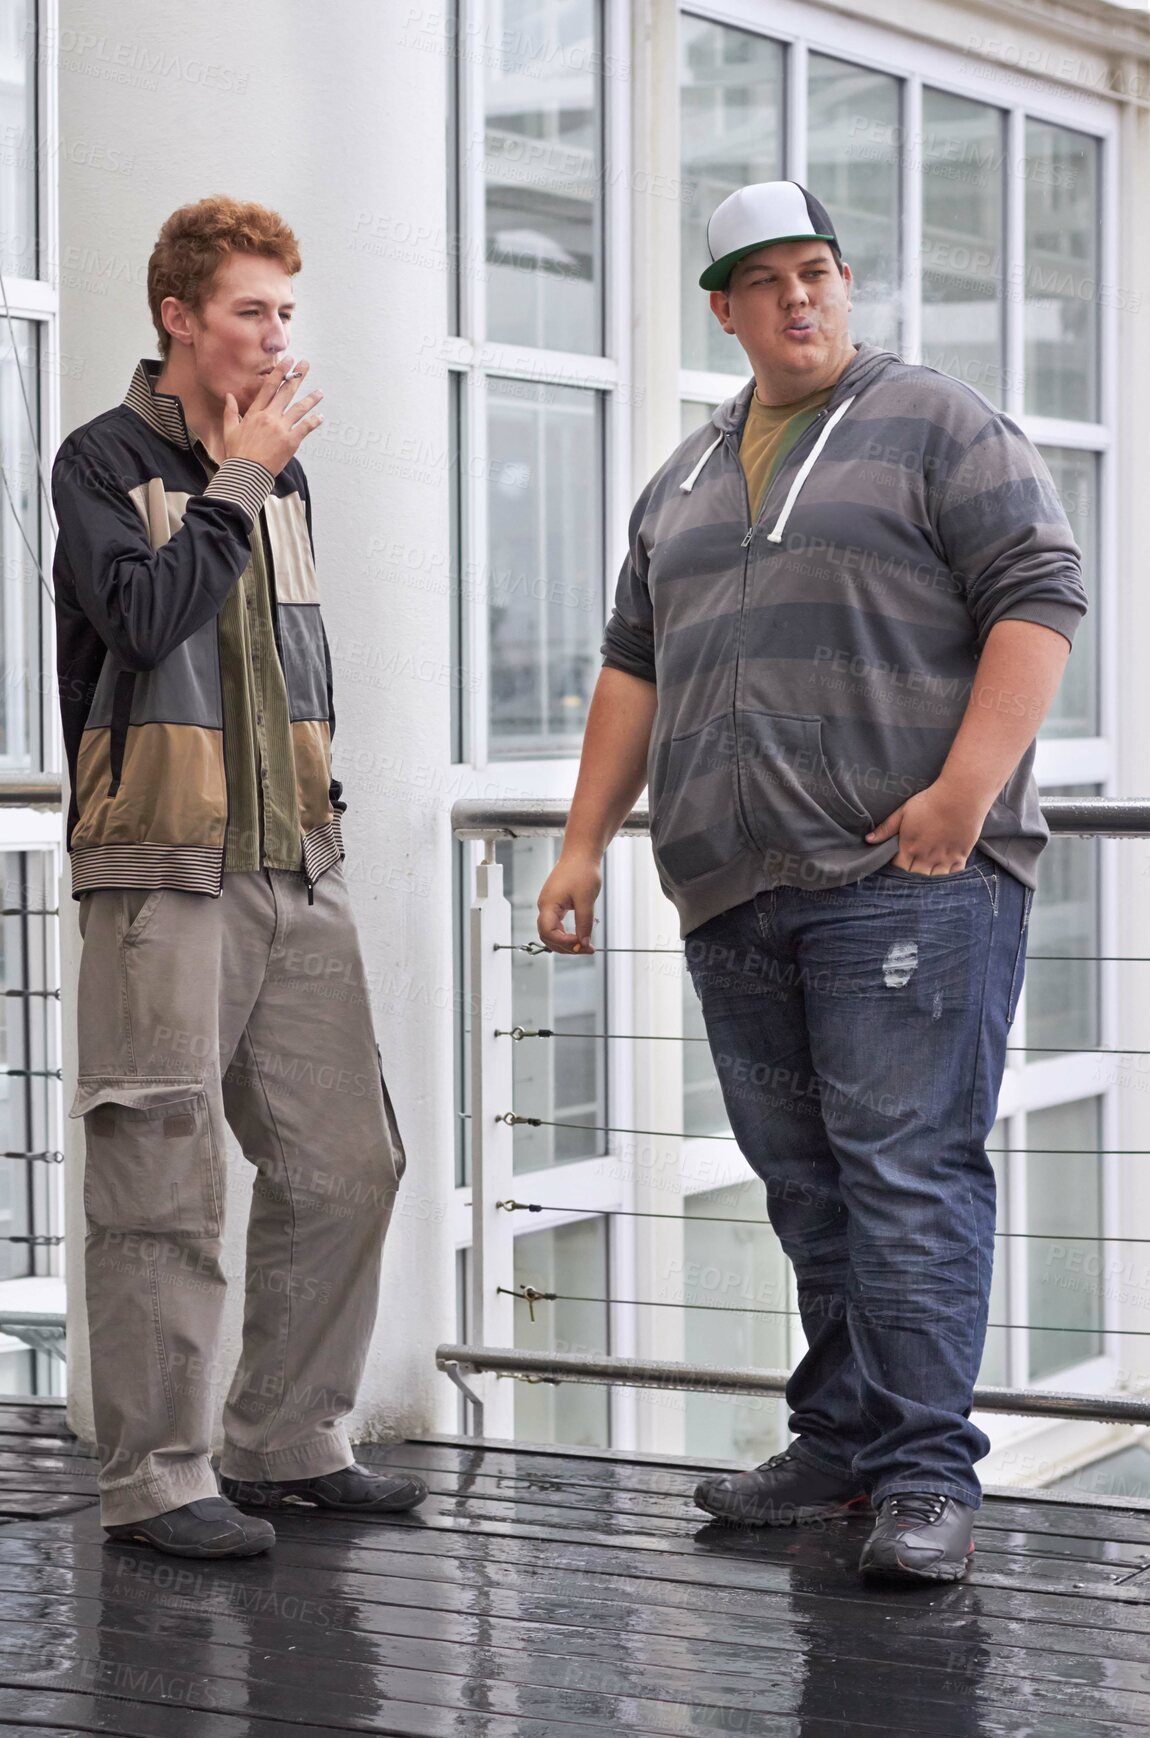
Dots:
{"x": 919, "y": 1537}
{"x": 209, "y": 1527}
{"x": 783, "y": 1492}
{"x": 354, "y": 1489}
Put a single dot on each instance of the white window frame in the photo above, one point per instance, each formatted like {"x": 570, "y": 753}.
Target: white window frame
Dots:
{"x": 474, "y": 361}
{"x": 40, "y": 831}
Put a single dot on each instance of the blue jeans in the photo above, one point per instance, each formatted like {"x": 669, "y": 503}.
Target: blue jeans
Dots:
{"x": 859, "y": 1035}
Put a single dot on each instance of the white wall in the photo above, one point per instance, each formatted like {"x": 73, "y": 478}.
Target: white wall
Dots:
{"x": 321, "y": 112}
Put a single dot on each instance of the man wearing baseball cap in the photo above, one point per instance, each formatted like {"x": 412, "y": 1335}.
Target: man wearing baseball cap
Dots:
{"x": 846, "y": 606}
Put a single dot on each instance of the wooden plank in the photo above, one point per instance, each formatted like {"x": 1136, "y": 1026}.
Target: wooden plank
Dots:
{"x": 558, "y": 1685}
{"x": 201, "y": 1606}
{"x": 39, "y": 1505}
{"x": 121, "y": 1718}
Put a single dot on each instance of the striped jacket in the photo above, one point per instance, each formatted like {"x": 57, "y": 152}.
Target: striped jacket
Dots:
{"x": 147, "y": 555}
{"x": 813, "y": 668}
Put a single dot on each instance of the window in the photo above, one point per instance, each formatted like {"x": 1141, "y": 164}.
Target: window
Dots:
{"x": 733, "y": 1263}
{"x": 731, "y": 116}
{"x": 545, "y": 513}
{"x": 543, "y": 168}
{"x": 963, "y": 212}
{"x": 19, "y": 243}
{"x": 31, "y": 1203}
{"x": 853, "y": 162}
{"x": 535, "y": 368}
{"x": 572, "y": 1261}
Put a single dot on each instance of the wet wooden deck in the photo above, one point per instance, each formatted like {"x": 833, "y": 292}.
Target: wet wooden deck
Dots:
{"x": 539, "y": 1593}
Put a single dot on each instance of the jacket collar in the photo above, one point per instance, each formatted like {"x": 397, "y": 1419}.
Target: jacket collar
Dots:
{"x": 162, "y": 411}
{"x": 869, "y": 360}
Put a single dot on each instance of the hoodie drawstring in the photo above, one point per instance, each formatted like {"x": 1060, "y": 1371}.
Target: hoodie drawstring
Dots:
{"x": 688, "y": 483}
{"x": 775, "y": 535}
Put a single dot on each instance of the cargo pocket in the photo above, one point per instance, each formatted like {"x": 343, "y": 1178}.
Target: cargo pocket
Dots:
{"x": 398, "y": 1155}
{"x": 151, "y": 1161}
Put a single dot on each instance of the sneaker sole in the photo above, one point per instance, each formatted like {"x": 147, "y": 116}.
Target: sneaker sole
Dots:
{"x": 904, "y": 1571}
{"x": 249, "y": 1550}
{"x": 288, "y": 1500}
{"x": 790, "y": 1515}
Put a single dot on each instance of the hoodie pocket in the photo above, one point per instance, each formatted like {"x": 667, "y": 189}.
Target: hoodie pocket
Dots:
{"x": 789, "y": 781}
{"x": 695, "y": 827}
{"x": 151, "y": 1161}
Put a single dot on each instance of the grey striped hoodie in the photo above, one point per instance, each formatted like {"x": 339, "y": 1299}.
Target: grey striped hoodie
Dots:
{"x": 813, "y": 669}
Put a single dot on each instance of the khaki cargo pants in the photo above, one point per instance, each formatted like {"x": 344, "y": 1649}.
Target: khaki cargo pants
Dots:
{"x": 250, "y": 1009}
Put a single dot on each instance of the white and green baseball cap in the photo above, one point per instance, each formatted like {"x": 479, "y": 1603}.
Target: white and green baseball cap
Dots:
{"x": 754, "y": 217}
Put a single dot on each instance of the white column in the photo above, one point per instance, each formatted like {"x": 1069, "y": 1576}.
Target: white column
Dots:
{"x": 335, "y": 117}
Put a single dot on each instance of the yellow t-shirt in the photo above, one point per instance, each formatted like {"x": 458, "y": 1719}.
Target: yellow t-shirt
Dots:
{"x": 768, "y": 435}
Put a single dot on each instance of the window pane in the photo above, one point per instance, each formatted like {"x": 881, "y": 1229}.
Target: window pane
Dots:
{"x": 853, "y": 151}
{"x": 703, "y": 1110}
{"x": 561, "y": 1079}
{"x": 734, "y": 1268}
{"x": 731, "y": 111}
{"x": 16, "y": 1371}
{"x": 19, "y": 543}
{"x": 693, "y": 415}
{"x": 545, "y": 515}
{"x": 1075, "y": 708}
{"x": 543, "y": 164}
{"x": 1062, "y": 250}
{"x": 571, "y": 1261}
{"x": 1062, "y": 994}
{"x": 993, "y": 1372}
{"x": 451, "y": 58}
{"x": 962, "y": 216}
{"x": 1064, "y": 1203}
{"x": 18, "y": 132}
{"x": 1117, "y": 1477}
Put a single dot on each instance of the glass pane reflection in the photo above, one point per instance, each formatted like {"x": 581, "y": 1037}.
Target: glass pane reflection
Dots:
{"x": 1066, "y": 1268}
{"x": 738, "y": 1268}
{"x": 560, "y": 1079}
{"x": 1063, "y": 228}
{"x": 731, "y": 115}
{"x": 543, "y": 165}
{"x": 962, "y": 218}
{"x": 545, "y": 508}
{"x": 853, "y": 150}
{"x": 571, "y": 1260}
{"x": 1062, "y": 994}
{"x": 18, "y": 248}
{"x": 1074, "y": 711}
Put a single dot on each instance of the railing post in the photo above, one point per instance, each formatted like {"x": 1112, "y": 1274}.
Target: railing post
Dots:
{"x": 492, "y": 1142}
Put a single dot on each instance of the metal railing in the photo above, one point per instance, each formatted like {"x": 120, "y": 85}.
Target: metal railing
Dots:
{"x": 490, "y": 1352}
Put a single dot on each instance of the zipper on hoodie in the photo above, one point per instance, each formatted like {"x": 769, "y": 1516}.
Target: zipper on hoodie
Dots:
{"x": 752, "y": 527}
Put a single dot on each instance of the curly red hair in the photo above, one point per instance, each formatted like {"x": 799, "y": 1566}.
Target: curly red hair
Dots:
{"x": 194, "y": 243}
